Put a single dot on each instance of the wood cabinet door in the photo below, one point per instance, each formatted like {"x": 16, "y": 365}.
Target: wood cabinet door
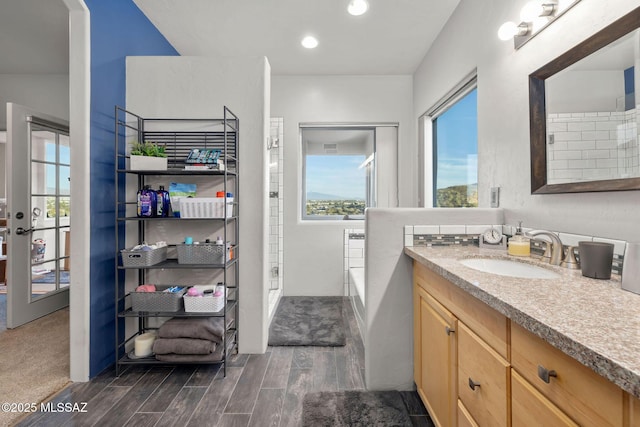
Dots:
{"x": 464, "y": 417}
{"x": 529, "y": 408}
{"x": 483, "y": 380}
{"x": 435, "y": 348}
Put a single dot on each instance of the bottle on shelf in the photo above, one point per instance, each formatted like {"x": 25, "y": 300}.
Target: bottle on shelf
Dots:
{"x": 147, "y": 202}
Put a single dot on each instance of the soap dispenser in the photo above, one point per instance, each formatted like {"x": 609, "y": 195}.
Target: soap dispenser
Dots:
{"x": 518, "y": 244}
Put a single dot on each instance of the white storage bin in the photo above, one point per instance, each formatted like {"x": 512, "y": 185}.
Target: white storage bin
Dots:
{"x": 205, "y": 207}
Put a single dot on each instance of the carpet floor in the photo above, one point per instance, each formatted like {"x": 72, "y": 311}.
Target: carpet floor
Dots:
{"x": 355, "y": 409}
{"x": 312, "y": 321}
{"x": 35, "y": 361}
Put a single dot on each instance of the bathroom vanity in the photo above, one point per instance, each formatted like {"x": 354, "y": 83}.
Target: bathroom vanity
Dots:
{"x": 492, "y": 350}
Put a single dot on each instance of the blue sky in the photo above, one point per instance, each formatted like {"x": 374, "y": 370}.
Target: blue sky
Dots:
{"x": 458, "y": 143}
{"x": 336, "y": 175}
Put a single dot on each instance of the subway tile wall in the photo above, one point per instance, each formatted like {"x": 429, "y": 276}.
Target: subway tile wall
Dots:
{"x": 353, "y": 253}
{"x": 587, "y": 146}
{"x": 276, "y": 208}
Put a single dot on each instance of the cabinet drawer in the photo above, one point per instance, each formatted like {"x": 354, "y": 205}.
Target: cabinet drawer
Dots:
{"x": 585, "y": 396}
{"x": 486, "y": 322}
{"x": 483, "y": 380}
{"x": 464, "y": 417}
{"x": 529, "y": 408}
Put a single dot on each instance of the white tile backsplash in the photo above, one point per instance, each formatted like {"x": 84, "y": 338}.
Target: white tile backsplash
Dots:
{"x": 453, "y": 229}
{"x": 426, "y": 229}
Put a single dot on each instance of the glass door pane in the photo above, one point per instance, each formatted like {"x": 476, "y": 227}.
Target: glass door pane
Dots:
{"x": 50, "y": 211}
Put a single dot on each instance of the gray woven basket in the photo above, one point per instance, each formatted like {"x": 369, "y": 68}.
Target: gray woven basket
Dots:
{"x": 203, "y": 253}
{"x": 143, "y": 258}
{"x": 158, "y": 301}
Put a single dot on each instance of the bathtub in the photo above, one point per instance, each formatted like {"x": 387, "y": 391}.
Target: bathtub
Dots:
{"x": 356, "y": 294}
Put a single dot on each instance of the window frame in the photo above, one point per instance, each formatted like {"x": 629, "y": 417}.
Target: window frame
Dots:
{"x": 371, "y": 177}
{"x": 427, "y": 147}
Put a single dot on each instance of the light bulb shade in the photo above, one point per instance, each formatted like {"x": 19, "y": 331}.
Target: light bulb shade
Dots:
{"x": 309, "y": 42}
{"x": 507, "y": 31}
{"x": 531, "y": 11}
{"x": 357, "y": 7}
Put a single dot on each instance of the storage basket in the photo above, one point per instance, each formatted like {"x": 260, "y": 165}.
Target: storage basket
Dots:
{"x": 143, "y": 258}
{"x": 205, "y": 207}
{"x": 202, "y": 253}
{"x": 158, "y": 301}
{"x": 204, "y": 304}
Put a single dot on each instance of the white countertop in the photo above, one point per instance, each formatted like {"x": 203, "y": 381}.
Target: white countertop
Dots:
{"x": 593, "y": 321}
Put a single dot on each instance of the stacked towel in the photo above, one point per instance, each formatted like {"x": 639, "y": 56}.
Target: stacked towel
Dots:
{"x": 190, "y": 339}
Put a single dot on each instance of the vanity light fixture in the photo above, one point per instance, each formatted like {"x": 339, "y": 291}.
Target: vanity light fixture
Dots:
{"x": 534, "y": 16}
{"x": 309, "y": 42}
{"x": 358, "y": 7}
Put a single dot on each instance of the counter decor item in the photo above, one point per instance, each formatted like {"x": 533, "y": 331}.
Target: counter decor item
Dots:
{"x": 596, "y": 259}
{"x": 631, "y": 268}
{"x": 492, "y": 238}
{"x": 518, "y": 244}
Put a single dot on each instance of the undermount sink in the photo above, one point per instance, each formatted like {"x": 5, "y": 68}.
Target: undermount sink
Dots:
{"x": 505, "y": 267}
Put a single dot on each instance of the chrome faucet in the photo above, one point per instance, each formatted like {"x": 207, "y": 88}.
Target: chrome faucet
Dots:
{"x": 554, "y": 248}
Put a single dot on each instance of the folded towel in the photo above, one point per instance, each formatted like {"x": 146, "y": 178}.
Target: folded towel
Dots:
{"x": 183, "y": 346}
{"x": 216, "y": 356}
{"x": 204, "y": 328}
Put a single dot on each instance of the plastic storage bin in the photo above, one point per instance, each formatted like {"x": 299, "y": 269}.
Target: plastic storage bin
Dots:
{"x": 203, "y": 253}
{"x": 158, "y": 301}
{"x": 205, "y": 207}
{"x": 204, "y": 304}
{"x": 143, "y": 258}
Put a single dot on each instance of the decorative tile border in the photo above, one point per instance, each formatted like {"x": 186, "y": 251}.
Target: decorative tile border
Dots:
{"x": 468, "y": 234}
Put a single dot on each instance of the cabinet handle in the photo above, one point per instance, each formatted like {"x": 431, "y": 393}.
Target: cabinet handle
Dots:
{"x": 448, "y": 330}
{"x": 473, "y": 385}
{"x": 544, "y": 374}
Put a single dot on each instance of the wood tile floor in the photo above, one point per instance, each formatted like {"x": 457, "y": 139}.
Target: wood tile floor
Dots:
{"x": 259, "y": 390}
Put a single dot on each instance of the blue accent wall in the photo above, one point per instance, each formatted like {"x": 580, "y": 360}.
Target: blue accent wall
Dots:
{"x": 118, "y": 29}
{"x": 629, "y": 89}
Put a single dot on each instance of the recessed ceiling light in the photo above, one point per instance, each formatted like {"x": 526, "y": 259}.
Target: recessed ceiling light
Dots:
{"x": 357, "y": 7}
{"x": 309, "y": 42}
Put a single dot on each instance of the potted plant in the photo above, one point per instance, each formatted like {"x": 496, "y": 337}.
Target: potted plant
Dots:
{"x": 147, "y": 155}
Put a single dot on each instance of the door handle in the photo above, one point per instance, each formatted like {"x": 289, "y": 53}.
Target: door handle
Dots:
{"x": 21, "y": 230}
{"x": 448, "y": 330}
{"x": 473, "y": 384}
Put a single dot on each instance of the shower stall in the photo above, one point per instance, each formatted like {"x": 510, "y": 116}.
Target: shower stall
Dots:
{"x": 276, "y": 211}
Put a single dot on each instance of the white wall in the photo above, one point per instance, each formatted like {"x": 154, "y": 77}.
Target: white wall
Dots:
{"x": 388, "y": 340}
{"x": 198, "y": 87}
{"x": 503, "y": 110}
{"x": 313, "y": 250}
{"x": 48, "y": 93}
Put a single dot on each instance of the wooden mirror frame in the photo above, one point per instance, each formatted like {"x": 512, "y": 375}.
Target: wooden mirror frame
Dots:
{"x": 538, "y": 114}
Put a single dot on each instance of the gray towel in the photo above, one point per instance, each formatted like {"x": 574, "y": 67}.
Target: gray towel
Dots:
{"x": 216, "y": 356}
{"x": 183, "y": 346}
{"x": 204, "y": 328}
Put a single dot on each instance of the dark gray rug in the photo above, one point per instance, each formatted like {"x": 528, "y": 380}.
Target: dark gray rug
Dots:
{"x": 354, "y": 409}
{"x": 314, "y": 321}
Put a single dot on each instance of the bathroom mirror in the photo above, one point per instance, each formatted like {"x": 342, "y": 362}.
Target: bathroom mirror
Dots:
{"x": 584, "y": 114}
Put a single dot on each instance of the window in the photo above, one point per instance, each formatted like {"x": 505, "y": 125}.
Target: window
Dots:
{"x": 451, "y": 149}
{"x": 338, "y": 172}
